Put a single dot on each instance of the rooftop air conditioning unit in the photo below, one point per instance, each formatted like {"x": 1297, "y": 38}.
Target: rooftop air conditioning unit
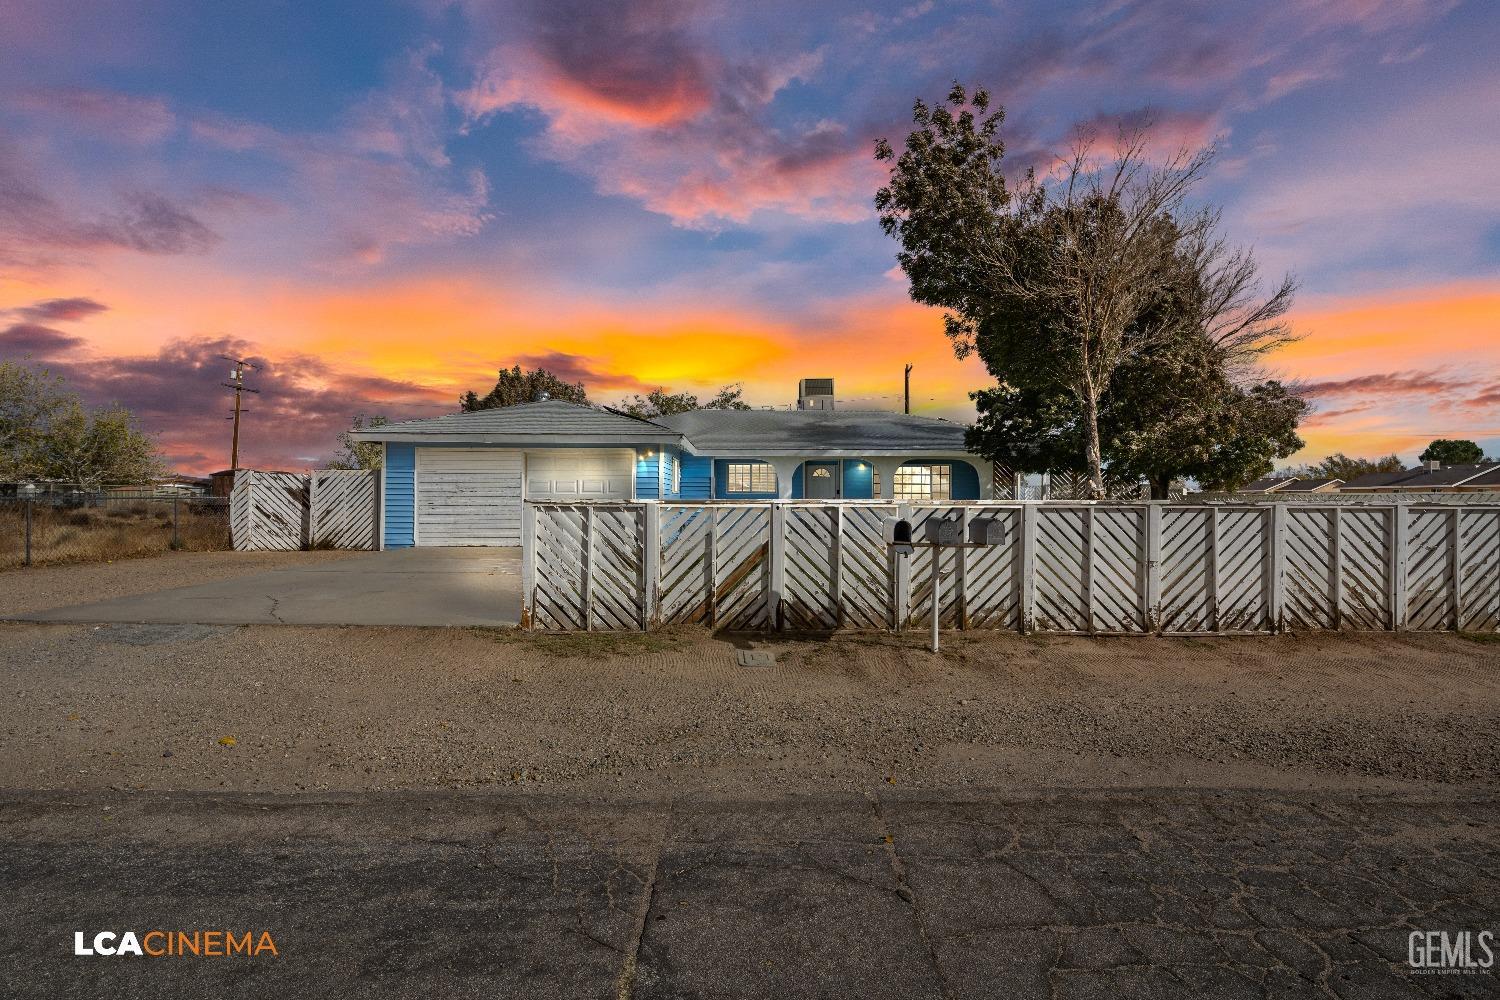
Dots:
{"x": 815, "y": 394}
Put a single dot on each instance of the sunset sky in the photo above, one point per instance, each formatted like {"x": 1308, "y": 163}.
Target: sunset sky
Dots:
{"x": 382, "y": 203}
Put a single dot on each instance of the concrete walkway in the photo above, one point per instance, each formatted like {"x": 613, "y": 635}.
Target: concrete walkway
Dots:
{"x": 397, "y": 587}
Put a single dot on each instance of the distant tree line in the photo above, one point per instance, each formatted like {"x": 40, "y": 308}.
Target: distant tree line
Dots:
{"x": 517, "y": 385}
{"x": 47, "y": 433}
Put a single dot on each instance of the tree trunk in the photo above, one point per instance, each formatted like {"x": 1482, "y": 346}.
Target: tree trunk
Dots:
{"x": 1161, "y": 487}
{"x": 1091, "y": 443}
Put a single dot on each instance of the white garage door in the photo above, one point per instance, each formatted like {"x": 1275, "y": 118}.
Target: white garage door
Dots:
{"x": 468, "y": 496}
{"x": 579, "y": 474}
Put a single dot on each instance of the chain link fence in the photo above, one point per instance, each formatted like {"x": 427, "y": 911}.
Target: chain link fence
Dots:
{"x": 74, "y": 528}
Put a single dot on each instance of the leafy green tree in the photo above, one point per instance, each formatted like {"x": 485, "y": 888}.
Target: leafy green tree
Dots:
{"x": 1452, "y": 452}
{"x": 660, "y": 403}
{"x": 515, "y": 386}
{"x": 88, "y": 449}
{"x": 29, "y": 399}
{"x": 354, "y": 454}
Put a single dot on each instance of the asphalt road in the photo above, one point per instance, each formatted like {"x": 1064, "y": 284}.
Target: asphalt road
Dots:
{"x": 909, "y": 895}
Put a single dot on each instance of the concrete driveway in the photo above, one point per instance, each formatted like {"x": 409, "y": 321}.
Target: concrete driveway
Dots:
{"x": 480, "y": 586}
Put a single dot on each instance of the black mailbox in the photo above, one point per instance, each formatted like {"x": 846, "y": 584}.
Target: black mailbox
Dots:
{"x": 942, "y": 531}
{"x": 898, "y": 535}
{"x": 987, "y": 531}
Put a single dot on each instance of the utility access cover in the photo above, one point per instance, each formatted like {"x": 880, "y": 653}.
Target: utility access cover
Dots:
{"x": 755, "y": 658}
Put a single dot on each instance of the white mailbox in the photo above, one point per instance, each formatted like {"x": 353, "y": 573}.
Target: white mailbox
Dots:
{"x": 942, "y": 531}
{"x": 987, "y": 531}
{"x": 898, "y": 535}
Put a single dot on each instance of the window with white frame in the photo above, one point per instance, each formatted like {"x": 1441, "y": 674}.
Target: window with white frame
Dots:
{"x": 924, "y": 482}
{"x": 677, "y": 476}
{"x": 749, "y": 477}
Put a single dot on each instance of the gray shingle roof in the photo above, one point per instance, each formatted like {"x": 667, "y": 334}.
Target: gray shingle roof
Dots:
{"x": 1307, "y": 485}
{"x": 1267, "y": 484}
{"x": 796, "y": 432}
{"x": 1381, "y": 478}
{"x": 550, "y": 421}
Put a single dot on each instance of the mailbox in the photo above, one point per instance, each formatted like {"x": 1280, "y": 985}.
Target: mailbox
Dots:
{"x": 941, "y": 531}
{"x": 898, "y": 535}
{"x": 987, "y": 531}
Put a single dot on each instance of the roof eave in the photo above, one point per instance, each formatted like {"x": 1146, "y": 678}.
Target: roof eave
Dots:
{"x": 646, "y": 437}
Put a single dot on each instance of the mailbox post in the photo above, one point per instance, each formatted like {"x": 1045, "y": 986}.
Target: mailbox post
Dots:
{"x": 940, "y": 533}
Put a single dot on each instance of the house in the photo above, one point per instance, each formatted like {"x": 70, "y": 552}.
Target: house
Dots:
{"x": 1312, "y": 486}
{"x": 1430, "y": 477}
{"x": 461, "y": 479}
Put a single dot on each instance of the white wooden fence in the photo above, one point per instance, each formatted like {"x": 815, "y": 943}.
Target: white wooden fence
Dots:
{"x": 1176, "y": 569}
{"x": 333, "y": 509}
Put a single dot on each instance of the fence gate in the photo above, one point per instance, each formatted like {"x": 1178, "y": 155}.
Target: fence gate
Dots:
{"x": 342, "y": 509}
{"x": 268, "y": 511}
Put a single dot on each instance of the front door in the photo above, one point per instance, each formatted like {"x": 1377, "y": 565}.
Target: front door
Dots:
{"x": 820, "y": 480}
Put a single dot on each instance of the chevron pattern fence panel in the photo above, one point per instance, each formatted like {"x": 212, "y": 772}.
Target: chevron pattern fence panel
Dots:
{"x": 268, "y": 511}
{"x": 342, "y": 514}
{"x": 1364, "y": 562}
{"x": 1478, "y": 550}
{"x": 1056, "y": 567}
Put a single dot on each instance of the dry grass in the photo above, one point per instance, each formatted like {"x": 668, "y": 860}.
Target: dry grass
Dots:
{"x": 105, "y": 533}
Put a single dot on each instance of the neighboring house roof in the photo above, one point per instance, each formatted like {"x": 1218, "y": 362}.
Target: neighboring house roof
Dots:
{"x": 1269, "y": 484}
{"x": 1487, "y": 480}
{"x": 1373, "y": 479}
{"x": 549, "y": 421}
{"x": 753, "y": 433}
{"x": 1309, "y": 485}
{"x": 1450, "y": 475}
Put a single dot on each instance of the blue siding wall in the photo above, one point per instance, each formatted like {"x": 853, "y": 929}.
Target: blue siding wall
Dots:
{"x": 400, "y": 494}
{"x": 965, "y": 481}
{"x": 697, "y": 477}
{"x": 647, "y": 476}
{"x": 859, "y": 478}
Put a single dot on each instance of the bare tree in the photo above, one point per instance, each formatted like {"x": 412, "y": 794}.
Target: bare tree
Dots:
{"x": 1096, "y": 249}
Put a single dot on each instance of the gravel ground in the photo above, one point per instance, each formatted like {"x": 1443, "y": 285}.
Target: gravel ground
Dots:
{"x": 23, "y": 591}
{"x": 282, "y": 708}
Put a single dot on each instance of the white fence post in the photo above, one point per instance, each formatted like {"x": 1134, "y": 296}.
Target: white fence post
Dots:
{"x": 1335, "y": 567}
{"x": 1212, "y": 569}
{"x": 311, "y": 517}
{"x": 1398, "y": 544}
{"x": 588, "y": 569}
{"x": 777, "y": 591}
{"x": 837, "y": 576}
{"x": 1153, "y": 568}
{"x": 650, "y": 564}
{"x": 528, "y": 566}
{"x": 1028, "y": 567}
{"x": 713, "y": 566}
{"x": 1088, "y": 568}
{"x": 901, "y": 598}
{"x": 961, "y": 585}
{"x": 1456, "y": 557}
{"x": 1277, "y": 589}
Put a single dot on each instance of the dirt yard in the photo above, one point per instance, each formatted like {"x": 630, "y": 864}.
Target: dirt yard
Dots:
{"x": 115, "y": 530}
{"x": 289, "y": 708}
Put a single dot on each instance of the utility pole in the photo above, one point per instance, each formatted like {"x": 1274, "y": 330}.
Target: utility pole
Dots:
{"x": 907, "y": 408}
{"x": 237, "y": 383}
